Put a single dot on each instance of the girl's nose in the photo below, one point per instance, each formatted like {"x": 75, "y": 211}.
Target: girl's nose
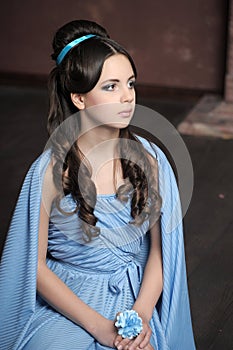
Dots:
{"x": 128, "y": 95}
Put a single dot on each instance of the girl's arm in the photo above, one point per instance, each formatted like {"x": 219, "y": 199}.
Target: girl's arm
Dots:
{"x": 52, "y": 289}
{"x": 150, "y": 291}
{"x": 152, "y": 283}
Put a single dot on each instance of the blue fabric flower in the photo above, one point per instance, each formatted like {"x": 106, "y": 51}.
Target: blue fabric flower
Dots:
{"x": 129, "y": 324}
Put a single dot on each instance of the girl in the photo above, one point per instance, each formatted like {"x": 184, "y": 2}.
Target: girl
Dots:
{"x": 87, "y": 245}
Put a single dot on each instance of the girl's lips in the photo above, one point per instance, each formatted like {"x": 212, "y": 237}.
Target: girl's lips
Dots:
{"x": 125, "y": 114}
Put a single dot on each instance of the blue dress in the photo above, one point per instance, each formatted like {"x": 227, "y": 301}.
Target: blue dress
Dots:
{"x": 105, "y": 273}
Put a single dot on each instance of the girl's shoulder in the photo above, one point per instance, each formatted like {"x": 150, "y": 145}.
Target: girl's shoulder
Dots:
{"x": 43, "y": 159}
{"x": 39, "y": 168}
{"x": 40, "y": 177}
{"x": 166, "y": 165}
{"x": 154, "y": 150}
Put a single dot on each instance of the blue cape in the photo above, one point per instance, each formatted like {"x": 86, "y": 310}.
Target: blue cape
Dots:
{"x": 171, "y": 319}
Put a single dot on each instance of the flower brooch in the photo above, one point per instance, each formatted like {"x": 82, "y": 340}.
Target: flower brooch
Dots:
{"x": 129, "y": 324}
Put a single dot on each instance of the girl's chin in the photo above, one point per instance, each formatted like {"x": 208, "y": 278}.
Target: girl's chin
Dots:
{"x": 118, "y": 125}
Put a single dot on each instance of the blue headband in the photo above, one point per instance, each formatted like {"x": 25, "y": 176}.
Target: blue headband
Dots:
{"x": 69, "y": 46}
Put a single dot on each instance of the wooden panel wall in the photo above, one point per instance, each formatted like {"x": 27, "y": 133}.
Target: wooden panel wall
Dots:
{"x": 177, "y": 44}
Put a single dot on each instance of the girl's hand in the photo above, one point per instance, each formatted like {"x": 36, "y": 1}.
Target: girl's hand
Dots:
{"x": 106, "y": 333}
{"x": 142, "y": 341}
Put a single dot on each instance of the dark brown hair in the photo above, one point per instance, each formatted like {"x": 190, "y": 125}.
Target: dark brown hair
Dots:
{"x": 79, "y": 72}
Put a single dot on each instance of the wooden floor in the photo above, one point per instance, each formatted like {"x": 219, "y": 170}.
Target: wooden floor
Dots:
{"x": 208, "y": 222}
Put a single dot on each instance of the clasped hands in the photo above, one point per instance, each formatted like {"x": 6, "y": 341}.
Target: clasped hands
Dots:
{"x": 141, "y": 342}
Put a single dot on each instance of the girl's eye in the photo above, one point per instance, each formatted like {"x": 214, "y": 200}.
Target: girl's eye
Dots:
{"x": 131, "y": 84}
{"x": 109, "y": 87}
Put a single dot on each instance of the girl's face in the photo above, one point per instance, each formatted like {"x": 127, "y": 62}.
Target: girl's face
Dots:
{"x": 112, "y": 100}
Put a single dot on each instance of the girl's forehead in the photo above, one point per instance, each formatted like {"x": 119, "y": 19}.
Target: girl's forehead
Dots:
{"x": 117, "y": 64}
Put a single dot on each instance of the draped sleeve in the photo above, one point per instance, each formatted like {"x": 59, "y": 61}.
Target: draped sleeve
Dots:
{"x": 172, "y": 318}
{"x": 18, "y": 268}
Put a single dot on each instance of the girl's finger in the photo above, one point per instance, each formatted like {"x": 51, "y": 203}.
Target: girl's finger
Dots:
{"x": 117, "y": 340}
{"x": 146, "y": 339}
{"x": 135, "y": 343}
{"x": 123, "y": 344}
{"x": 142, "y": 340}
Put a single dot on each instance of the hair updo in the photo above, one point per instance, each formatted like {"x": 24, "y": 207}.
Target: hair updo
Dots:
{"x": 81, "y": 68}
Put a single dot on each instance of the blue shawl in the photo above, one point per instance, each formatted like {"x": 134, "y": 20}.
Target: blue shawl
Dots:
{"x": 19, "y": 263}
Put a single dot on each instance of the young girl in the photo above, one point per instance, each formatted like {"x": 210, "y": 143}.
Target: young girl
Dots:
{"x": 87, "y": 246}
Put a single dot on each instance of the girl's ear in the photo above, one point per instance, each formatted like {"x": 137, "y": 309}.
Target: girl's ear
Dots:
{"x": 77, "y": 100}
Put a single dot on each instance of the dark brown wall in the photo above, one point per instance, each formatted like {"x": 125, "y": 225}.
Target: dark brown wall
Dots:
{"x": 174, "y": 43}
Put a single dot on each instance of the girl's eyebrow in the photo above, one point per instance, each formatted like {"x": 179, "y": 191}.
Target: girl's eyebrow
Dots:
{"x": 132, "y": 77}
{"x": 110, "y": 80}
{"x": 116, "y": 80}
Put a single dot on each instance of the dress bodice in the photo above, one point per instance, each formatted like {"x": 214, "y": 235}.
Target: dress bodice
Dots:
{"x": 118, "y": 241}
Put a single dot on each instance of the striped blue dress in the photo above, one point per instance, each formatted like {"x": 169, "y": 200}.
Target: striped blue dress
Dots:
{"x": 105, "y": 273}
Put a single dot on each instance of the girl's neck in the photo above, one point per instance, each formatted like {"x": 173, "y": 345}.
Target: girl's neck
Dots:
{"x": 100, "y": 149}
{"x": 101, "y": 139}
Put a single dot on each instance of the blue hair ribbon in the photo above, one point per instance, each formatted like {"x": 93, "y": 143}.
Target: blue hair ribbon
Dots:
{"x": 69, "y": 46}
